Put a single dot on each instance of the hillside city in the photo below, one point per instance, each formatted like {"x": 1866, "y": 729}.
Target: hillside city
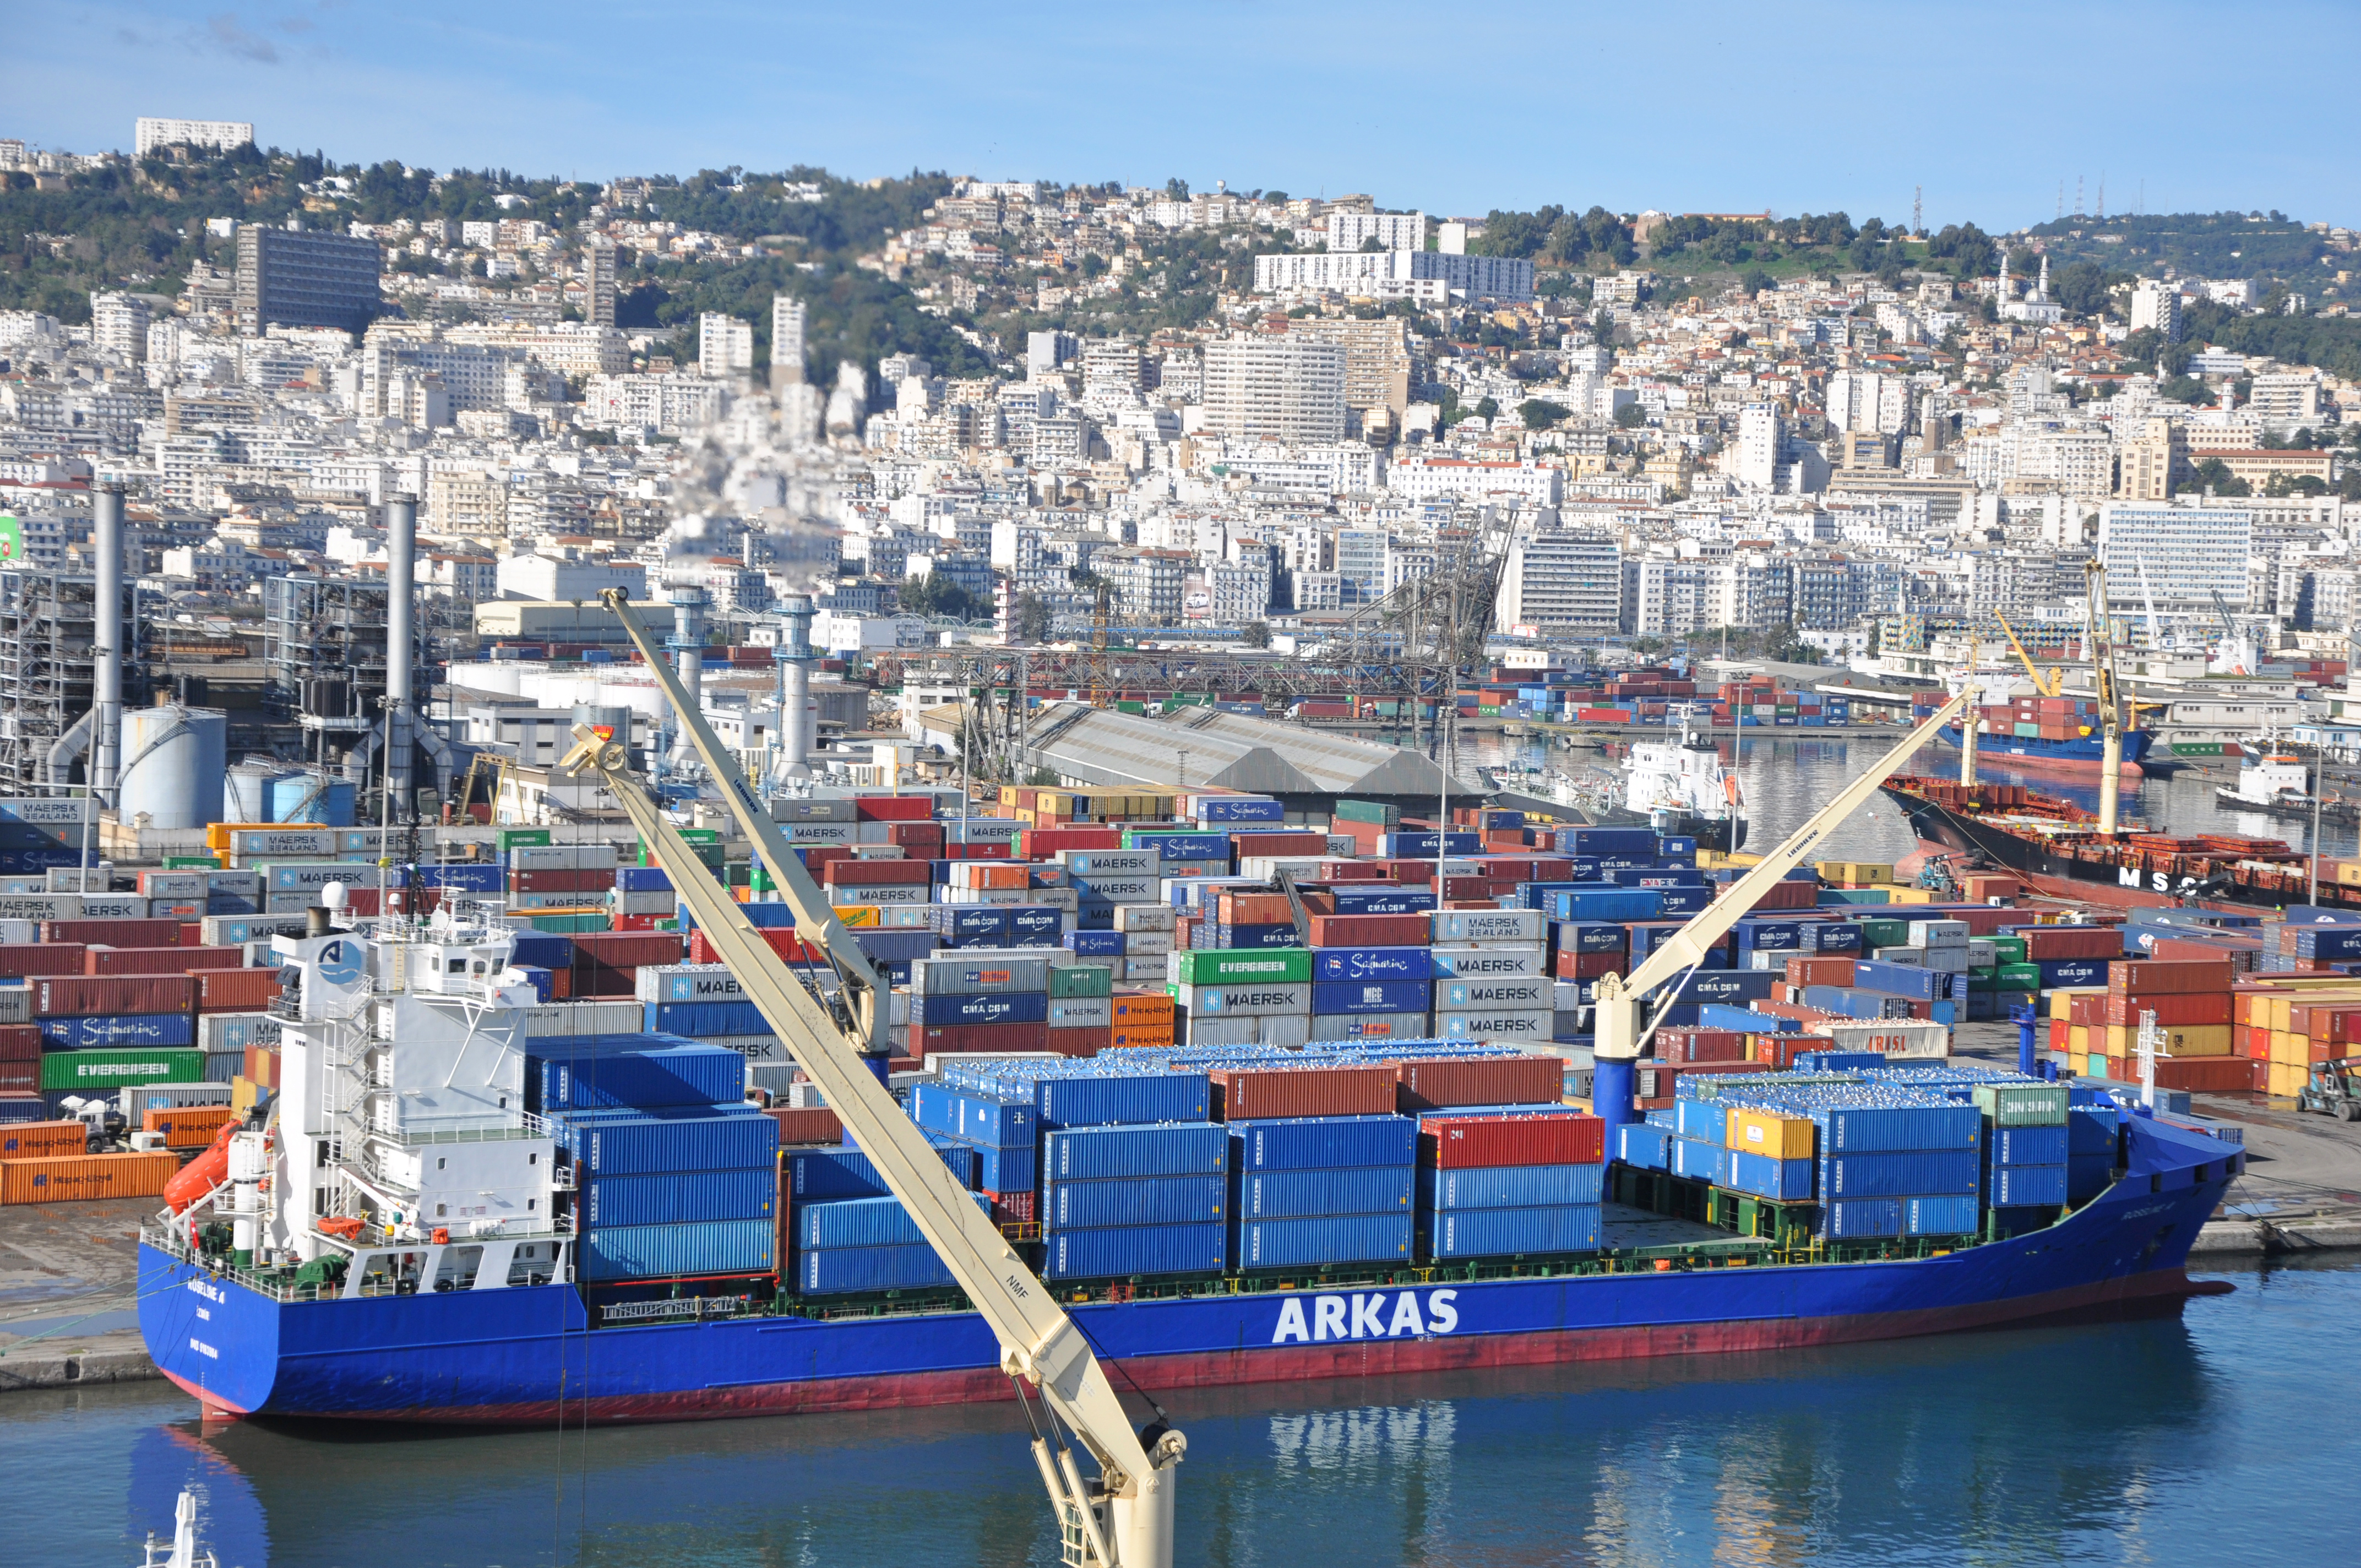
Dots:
{"x": 963, "y": 414}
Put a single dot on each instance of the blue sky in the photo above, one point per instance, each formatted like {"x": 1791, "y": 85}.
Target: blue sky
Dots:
{"x": 1455, "y": 109}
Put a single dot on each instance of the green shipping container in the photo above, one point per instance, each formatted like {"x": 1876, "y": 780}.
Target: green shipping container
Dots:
{"x": 1367, "y": 811}
{"x": 2019, "y": 977}
{"x": 1126, "y": 706}
{"x": 2010, "y": 950}
{"x": 1886, "y": 933}
{"x": 1280, "y": 966}
{"x": 738, "y": 874}
{"x": 507, "y": 838}
{"x": 1081, "y": 980}
{"x": 108, "y": 1068}
{"x": 192, "y": 864}
{"x": 2023, "y": 1104}
{"x": 569, "y": 925}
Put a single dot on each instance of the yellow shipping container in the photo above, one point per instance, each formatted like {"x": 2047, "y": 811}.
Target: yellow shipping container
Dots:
{"x": 2189, "y": 1040}
{"x": 2349, "y": 873}
{"x": 1860, "y": 873}
{"x": 2061, "y": 1001}
{"x": 2290, "y": 1051}
{"x": 1909, "y": 896}
{"x": 2287, "y": 1081}
{"x": 1761, "y": 1132}
{"x": 857, "y": 913}
{"x": 2078, "y": 1039}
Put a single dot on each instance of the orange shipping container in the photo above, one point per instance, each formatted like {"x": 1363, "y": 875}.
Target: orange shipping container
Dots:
{"x": 187, "y": 1126}
{"x": 1244, "y": 1093}
{"x": 236, "y": 990}
{"x": 1482, "y": 1080}
{"x": 261, "y": 1066}
{"x": 69, "y": 1177}
{"x": 25, "y": 1140}
{"x": 2168, "y": 977}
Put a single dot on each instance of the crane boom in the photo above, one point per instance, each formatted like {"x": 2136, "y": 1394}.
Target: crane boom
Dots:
{"x": 2050, "y": 687}
{"x": 1125, "y": 1520}
{"x": 1620, "y": 1000}
{"x": 2102, "y": 640}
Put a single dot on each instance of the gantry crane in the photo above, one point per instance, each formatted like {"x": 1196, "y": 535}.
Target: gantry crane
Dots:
{"x": 1625, "y": 1016}
{"x": 1124, "y": 1517}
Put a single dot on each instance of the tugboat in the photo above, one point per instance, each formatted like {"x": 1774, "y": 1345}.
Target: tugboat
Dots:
{"x": 1681, "y": 787}
{"x": 2274, "y": 781}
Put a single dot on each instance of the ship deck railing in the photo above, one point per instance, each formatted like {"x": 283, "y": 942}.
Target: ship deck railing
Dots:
{"x": 167, "y": 1240}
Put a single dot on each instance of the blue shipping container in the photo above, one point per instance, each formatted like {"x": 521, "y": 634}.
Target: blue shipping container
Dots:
{"x": 1341, "y": 1238}
{"x": 1314, "y": 1195}
{"x": 2028, "y": 1146}
{"x": 1878, "y": 1129}
{"x": 1352, "y": 900}
{"x": 818, "y": 1173}
{"x": 1862, "y": 1218}
{"x": 684, "y": 1074}
{"x": 1102, "y": 1153}
{"x": 1112, "y": 1100}
{"x": 1644, "y": 1146}
{"x": 700, "y": 1020}
{"x": 118, "y": 1029}
{"x": 677, "y": 1198}
{"x": 1938, "y": 1216}
{"x": 987, "y": 1120}
{"x": 1133, "y": 1200}
{"x": 2027, "y": 1186}
{"x": 1137, "y": 1249}
{"x": 1789, "y": 1180}
{"x": 1707, "y": 1121}
{"x": 1324, "y": 1143}
{"x": 1928, "y": 1173}
{"x": 837, "y": 1270}
{"x": 1006, "y": 1007}
{"x": 632, "y": 1143}
{"x": 654, "y": 1252}
{"x": 856, "y": 1223}
{"x": 1501, "y": 1232}
{"x": 1333, "y": 964}
{"x": 1333, "y": 996}
{"x": 1007, "y": 1169}
{"x": 1698, "y": 1160}
{"x": 1512, "y": 1186}
{"x": 1238, "y": 808}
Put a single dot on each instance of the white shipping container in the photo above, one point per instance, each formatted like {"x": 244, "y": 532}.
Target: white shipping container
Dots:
{"x": 183, "y": 909}
{"x": 114, "y": 906}
{"x": 1473, "y": 995}
{"x": 997, "y": 895}
{"x": 1287, "y": 1031}
{"x": 887, "y": 851}
{"x": 1133, "y": 918}
{"x": 46, "y": 811}
{"x": 172, "y": 884}
{"x": 236, "y": 1031}
{"x": 20, "y": 930}
{"x": 822, "y": 832}
{"x": 16, "y": 1003}
{"x": 249, "y": 842}
{"x": 1231, "y": 1001}
{"x": 40, "y": 906}
{"x": 70, "y": 879}
{"x": 661, "y": 902}
{"x": 1117, "y": 888}
{"x": 1266, "y": 867}
{"x": 1143, "y": 944}
{"x": 685, "y": 982}
{"x": 1152, "y": 967}
{"x": 1093, "y": 864}
{"x": 1938, "y": 933}
{"x": 907, "y": 917}
{"x": 614, "y": 1016}
{"x": 1896, "y": 1036}
{"x": 900, "y": 893}
{"x": 230, "y": 931}
{"x": 1522, "y": 925}
{"x": 1080, "y": 1011}
{"x": 1526, "y": 1024}
{"x": 1368, "y": 1026}
{"x": 787, "y": 809}
{"x": 1910, "y": 957}
{"x": 1480, "y": 960}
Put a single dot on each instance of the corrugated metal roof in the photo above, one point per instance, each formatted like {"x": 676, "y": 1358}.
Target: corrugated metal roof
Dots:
{"x": 1226, "y": 750}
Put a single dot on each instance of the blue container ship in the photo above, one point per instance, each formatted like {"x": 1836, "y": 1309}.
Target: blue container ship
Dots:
{"x": 451, "y": 1276}
{"x": 2078, "y": 752}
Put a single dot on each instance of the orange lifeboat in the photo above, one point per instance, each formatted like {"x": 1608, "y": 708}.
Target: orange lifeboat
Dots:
{"x": 203, "y": 1174}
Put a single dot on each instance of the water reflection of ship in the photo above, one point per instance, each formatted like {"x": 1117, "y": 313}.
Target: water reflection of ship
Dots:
{"x": 1676, "y": 786}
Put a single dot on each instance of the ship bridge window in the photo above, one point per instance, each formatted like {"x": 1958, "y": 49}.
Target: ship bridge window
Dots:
{"x": 459, "y": 1267}
{"x": 456, "y": 966}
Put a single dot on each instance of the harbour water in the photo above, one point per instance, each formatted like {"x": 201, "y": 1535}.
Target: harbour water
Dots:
{"x": 2212, "y": 1438}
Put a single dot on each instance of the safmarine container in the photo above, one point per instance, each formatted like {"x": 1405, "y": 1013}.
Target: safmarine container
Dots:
{"x": 85, "y": 1070}
{"x": 1138, "y": 1200}
{"x": 2027, "y": 1186}
{"x": 1331, "y": 964}
{"x": 1454, "y": 1142}
{"x": 1324, "y": 1143}
{"x": 1107, "y": 1152}
{"x": 1930, "y": 1173}
{"x": 633, "y": 1143}
{"x": 1334, "y": 1239}
{"x": 1137, "y": 1249}
{"x": 704, "y": 1247}
{"x": 125, "y": 1031}
{"x": 683, "y": 1074}
{"x": 1499, "y": 1232}
{"x": 677, "y": 1197}
{"x": 839, "y": 1270}
{"x": 1109, "y": 1099}
{"x": 1512, "y": 1186}
{"x": 1256, "y": 1093}
{"x": 1938, "y": 1216}
{"x": 1312, "y": 1194}
{"x": 1371, "y": 995}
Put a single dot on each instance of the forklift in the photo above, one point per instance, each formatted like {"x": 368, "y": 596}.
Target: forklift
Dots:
{"x": 2333, "y": 1091}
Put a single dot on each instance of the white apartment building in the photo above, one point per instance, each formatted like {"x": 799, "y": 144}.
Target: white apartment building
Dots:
{"x": 1676, "y": 598}
{"x": 1392, "y": 231}
{"x": 118, "y": 325}
{"x": 2187, "y": 553}
{"x": 2156, "y": 304}
{"x": 2285, "y": 400}
{"x": 1761, "y": 434}
{"x": 148, "y": 132}
{"x": 725, "y": 345}
{"x": 788, "y": 316}
{"x": 1377, "y": 273}
{"x": 1559, "y": 580}
{"x": 1280, "y": 388}
{"x": 671, "y": 405}
{"x": 1421, "y": 477}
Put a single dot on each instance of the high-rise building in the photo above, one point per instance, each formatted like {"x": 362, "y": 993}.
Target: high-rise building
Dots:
{"x": 1392, "y": 231}
{"x": 2184, "y": 554}
{"x": 1377, "y": 357}
{"x": 1283, "y": 388}
{"x": 289, "y": 277}
{"x": 147, "y": 134}
{"x": 1558, "y": 579}
{"x": 599, "y": 281}
{"x": 787, "y": 318}
{"x": 2156, "y": 304}
{"x": 725, "y": 345}
{"x": 119, "y": 323}
{"x": 2151, "y": 460}
{"x": 1761, "y": 435}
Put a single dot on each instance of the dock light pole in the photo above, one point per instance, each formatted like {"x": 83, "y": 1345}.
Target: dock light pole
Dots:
{"x": 2312, "y": 860}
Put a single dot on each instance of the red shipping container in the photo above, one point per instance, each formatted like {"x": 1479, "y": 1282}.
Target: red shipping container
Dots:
{"x": 1371, "y": 930}
{"x": 781, "y": 939}
{"x": 1820, "y": 971}
{"x": 1590, "y": 966}
{"x": 927, "y": 1039}
{"x": 626, "y": 949}
{"x": 1043, "y": 843}
{"x": 1432, "y": 1084}
{"x": 2153, "y": 977}
{"x": 1085, "y": 1040}
{"x": 2171, "y": 1009}
{"x": 813, "y": 1125}
{"x": 916, "y": 836}
{"x": 159, "y": 960}
{"x": 2072, "y": 942}
{"x": 1461, "y": 1142}
{"x": 21, "y": 960}
{"x": 238, "y": 990}
{"x": 2243, "y": 956}
{"x": 2206, "y": 1075}
{"x": 1012, "y": 1208}
{"x": 1779, "y": 1052}
{"x": 19, "y": 1078}
{"x": 1293, "y": 843}
{"x": 64, "y": 997}
{"x": 635, "y": 922}
{"x": 1700, "y": 1044}
{"x": 1252, "y": 908}
{"x": 20, "y": 1042}
{"x": 556, "y": 880}
{"x": 817, "y": 857}
{"x": 878, "y": 874}
{"x": 114, "y": 933}
{"x": 893, "y": 808}
{"x": 1259, "y": 1093}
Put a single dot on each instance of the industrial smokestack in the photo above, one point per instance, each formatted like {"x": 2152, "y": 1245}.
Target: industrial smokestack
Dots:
{"x": 797, "y": 721}
{"x": 688, "y": 646}
{"x": 106, "y": 696}
{"x": 400, "y": 652}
